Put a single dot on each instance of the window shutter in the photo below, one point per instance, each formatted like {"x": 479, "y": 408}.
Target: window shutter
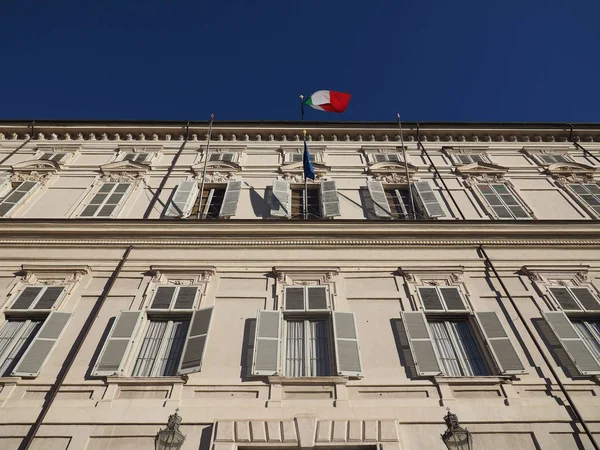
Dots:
{"x": 38, "y": 352}
{"x": 26, "y": 298}
{"x": 586, "y": 298}
{"x": 380, "y": 203}
{"x": 266, "y": 343}
{"x": 281, "y": 199}
{"x": 162, "y": 297}
{"x": 427, "y": 200}
{"x": 119, "y": 341}
{"x": 230, "y": 201}
{"x": 317, "y": 297}
{"x": 564, "y": 298}
{"x": 49, "y": 297}
{"x": 421, "y": 344}
{"x": 499, "y": 343}
{"x": 182, "y": 200}
{"x": 195, "y": 343}
{"x": 347, "y": 351}
{"x": 430, "y": 298}
{"x": 17, "y": 197}
{"x": 572, "y": 342}
{"x": 453, "y": 298}
{"x": 330, "y": 203}
{"x": 186, "y": 297}
{"x": 294, "y": 298}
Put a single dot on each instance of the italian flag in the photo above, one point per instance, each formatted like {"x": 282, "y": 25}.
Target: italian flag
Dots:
{"x": 330, "y": 101}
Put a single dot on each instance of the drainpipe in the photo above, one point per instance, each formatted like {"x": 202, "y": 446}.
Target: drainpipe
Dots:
{"x": 438, "y": 174}
{"x": 576, "y": 412}
{"x": 166, "y": 177}
{"x": 26, "y": 443}
{"x": 585, "y": 152}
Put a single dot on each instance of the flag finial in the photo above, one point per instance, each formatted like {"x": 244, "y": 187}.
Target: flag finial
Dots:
{"x": 301, "y": 97}
{"x": 212, "y": 117}
{"x": 398, "y": 116}
{"x": 304, "y": 132}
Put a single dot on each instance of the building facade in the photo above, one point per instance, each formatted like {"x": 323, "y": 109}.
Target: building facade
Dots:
{"x": 140, "y": 274}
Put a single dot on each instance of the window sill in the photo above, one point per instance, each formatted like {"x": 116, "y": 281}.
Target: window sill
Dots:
{"x": 146, "y": 380}
{"x": 286, "y": 381}
{"x": 9, "y": 380}
{"x": 495, "y": 379}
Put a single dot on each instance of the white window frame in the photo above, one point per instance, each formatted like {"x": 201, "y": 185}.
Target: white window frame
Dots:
{"x": 306, "y": 317}
{"x": 386, "y": 157}
{"x": 141, "y": 334}
{"x": 211, "y": 191}
{"x": 174, "y": 298}
{"x": 573, "y": 296}
{"x": 537, "y": 157}
{"x": 38, "y": 297}
{"x": 147, "y": 160}
{"x": 463, "y": 297}
{"x": 484, "y": 350}
{"x": 588, "y": 208}
{"x": 96, "y": 190}
{"x": 217, "y": 155}
{"x": 457, "y": 155}
{"x": 595, "y": 334}
{"x": 490, "y": 211}
{"x": 53, "y": 155}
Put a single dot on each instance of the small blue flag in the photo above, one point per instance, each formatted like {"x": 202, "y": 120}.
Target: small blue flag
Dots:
{"x": 309, "y": 172}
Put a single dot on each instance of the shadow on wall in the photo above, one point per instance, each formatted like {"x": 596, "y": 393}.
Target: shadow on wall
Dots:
{"x": 260, "y": 206}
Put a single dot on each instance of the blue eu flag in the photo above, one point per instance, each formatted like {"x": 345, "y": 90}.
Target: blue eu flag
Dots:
{"x": 309, "y": 172}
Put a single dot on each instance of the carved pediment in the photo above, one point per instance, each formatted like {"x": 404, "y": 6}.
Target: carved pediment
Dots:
{"x": 299, "y": 167}
{"x": 479, "y": 168}
{"x": 216, "y": 166}
{"x": 570, "y": 169}
{"x": 37, "y": 165}
{"x": 124, "y": 166}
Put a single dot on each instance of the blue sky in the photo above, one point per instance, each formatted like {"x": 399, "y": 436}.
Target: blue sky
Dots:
{"x": 249, "y": 60}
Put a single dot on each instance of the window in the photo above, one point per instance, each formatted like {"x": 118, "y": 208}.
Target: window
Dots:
{"x": 225, "y": 156}
{"x": 31, "y": 329}
{"x": 307, "y": 345}
{"x": 211, "y": 203}
{"x": 217, "y": 202}
{"x": 107, "y": 200}
{"x": 56, "y": 157}
{"x": 299, "y": 157}
{"x": 545, "y": 159}
{"x": 161, "y": 348}
{"x": 383, "y": 157}
{"x": 444, "y": 341}
{"x": 394, "y": 202}
{"x": 17, "y": 196}
{"x": 307, "y": 336}
{"x": 588, "y": 194}
{"x": 502, "y": 203}
{"x": 137, "y": 157}
{"x": 576, "y": 326}
{"x": 288, "y": 201}
{"x": 458, "y": 351}
{"x": 167, "y": 339}
{"x": 313, "y": 204}
{"x": 469, "y": 158}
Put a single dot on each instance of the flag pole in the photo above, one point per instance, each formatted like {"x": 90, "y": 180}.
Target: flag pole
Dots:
{"x": 212, "y": 119}
{"x": 412, "y": 201}
{"x": 305, "y": 181}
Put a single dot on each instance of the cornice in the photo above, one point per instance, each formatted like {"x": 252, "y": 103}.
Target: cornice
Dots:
{"x": 48, "y": 133}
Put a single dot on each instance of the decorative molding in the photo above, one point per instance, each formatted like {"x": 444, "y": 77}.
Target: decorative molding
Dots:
{"x": 575, "y": 274}
{"x": 564, "y": 181}
{"x": 216, "y": 169}
{"x": 298, "y": 168}
{"x": 181, "y": 275}
{"x": 570, "y": 169}
{"x": 477, "y": 168}
{"x": 299, "y": 178}
{"x": 434, "y": 275}
{"x": 305, "y": 275}
{"x": 472, "y": 180}
{"x": 53, "y": 274}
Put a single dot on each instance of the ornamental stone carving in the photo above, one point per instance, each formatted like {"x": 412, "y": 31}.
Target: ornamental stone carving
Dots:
{"x": 38, "y": 177}
{"x": 299, "y": 178}
{"x": 564, "y": 181}
{"x": 472, "y": 180}
{"x": 121, "y": 177}
{"x": 217, "y": 177}
{"x": 206, "y": 274}
{"x": 392, "y": 178}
